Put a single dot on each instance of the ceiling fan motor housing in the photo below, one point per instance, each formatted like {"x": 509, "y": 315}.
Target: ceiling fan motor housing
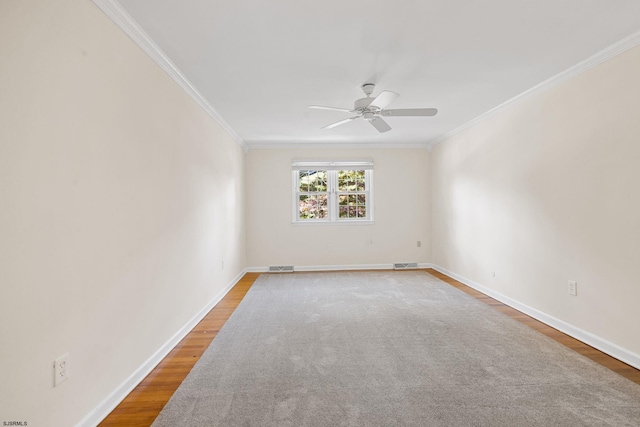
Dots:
{"x": 369, "y": 115}
{"x": 362, "y": 103}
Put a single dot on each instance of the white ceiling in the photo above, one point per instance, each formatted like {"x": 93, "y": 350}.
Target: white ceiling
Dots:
{"x": 260, "y": 63}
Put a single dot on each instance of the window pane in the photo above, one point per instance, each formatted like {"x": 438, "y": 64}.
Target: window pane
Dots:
{"x": 351, "y": 180}
{"x": 308, "y": 207}
{"x": 313, "y": 181}
{"x": 352, "y": 205}
{"x": 304, "y": 207}
{"x": 304, "y": 181}
{"x": 342, "y": 180}
{"x": 321, "y": 181}
{"x": 313, "y": 207}
{"x": 323, "y": 207}
{"x": 360, "y": 182}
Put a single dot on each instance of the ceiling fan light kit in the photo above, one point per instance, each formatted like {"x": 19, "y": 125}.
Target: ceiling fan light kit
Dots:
{"x": 373, "y": 109}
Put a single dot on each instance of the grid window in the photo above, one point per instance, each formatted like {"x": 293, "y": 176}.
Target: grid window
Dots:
{"x": 312, "y": 194}
{"x": 332, "y": 192}
{"x": 352, "y": 194}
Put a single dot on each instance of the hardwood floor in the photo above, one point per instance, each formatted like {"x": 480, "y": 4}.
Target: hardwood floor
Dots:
{"x": 605, "y": 360}
{"x": 144, "y": 403}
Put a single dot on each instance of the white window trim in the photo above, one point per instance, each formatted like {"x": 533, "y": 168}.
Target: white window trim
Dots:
{"x": 332, "y": 185}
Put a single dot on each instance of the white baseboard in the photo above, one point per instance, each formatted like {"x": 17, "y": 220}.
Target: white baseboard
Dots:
{"x": 342, "y": 267}
{"x": 257, "y": 269}
{"x": 594, "y": 341}
{"x": 110, "y": 402}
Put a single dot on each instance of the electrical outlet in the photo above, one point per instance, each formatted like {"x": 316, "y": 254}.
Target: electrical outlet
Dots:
{"x": 330, "y": 247}
{"x": 419, "y": 244}
{"x": 222, "y": 266}
{"x": 493, "y": 274}
{"x": 573, "y": 288}
{"x": 60, "y": 369}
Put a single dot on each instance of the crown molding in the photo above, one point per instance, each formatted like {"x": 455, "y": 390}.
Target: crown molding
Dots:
{"x": 130, "y": 27}
{"x": 127, "y": 24}
{"x": 604, "y": 55}
{"x": 335, "y": 145}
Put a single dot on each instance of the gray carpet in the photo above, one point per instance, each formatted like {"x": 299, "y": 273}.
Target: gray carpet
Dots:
{"x": 389, "y": 349}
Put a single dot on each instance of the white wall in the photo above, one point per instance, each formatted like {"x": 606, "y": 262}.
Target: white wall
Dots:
{"x": 401, "y": 212}
{"x": 119, "y": 199}
{"x": 548, "y": 191}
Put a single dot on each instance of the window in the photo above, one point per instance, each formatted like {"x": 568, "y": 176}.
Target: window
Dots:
{"x": 332, "y": 192}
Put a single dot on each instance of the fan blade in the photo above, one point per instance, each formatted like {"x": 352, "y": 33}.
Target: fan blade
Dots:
{"x": 341, "y": 122}
{"x": 322, "y": 107}
{"x": 380, "y": 124}
{"x": 410, "y": 112}
{"x": 385, "y": 98}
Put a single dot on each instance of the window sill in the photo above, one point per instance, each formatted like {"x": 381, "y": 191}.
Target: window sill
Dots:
{"x": 325, "y": 223}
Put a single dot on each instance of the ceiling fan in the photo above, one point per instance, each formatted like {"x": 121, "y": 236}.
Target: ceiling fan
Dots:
{"x": 373, "y": 109}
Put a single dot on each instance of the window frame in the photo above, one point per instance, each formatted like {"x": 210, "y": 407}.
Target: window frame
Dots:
{"x": 332, "y": 168}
